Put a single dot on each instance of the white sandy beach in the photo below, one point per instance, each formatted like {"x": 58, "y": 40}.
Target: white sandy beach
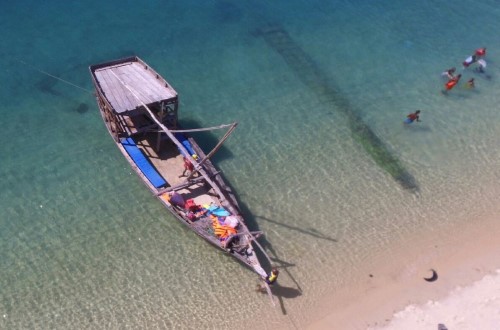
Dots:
{"x": 465, "y": 295}
{"x": 474, "y": 307}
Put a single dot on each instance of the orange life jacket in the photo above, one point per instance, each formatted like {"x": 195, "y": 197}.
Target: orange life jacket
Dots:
{"x": 450, "y": 84}
{"x": 222, "y": 231}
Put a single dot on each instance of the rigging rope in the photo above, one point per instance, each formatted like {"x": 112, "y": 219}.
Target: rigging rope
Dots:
{"x": 52, "y": 76}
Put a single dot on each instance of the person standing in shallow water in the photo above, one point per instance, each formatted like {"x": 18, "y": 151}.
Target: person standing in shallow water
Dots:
{"x": 450, "y": 73}
{"x": 414, "y": 116}
{"x": 269, "y": 279}
{"x": 272, "y": 277}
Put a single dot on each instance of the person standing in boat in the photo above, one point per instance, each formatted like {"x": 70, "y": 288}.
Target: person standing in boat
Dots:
{"x": 188, "y": 167}
{"x": 176, "y": 199}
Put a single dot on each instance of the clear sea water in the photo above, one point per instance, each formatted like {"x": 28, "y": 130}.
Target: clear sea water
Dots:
{"x": 84, "y": 245}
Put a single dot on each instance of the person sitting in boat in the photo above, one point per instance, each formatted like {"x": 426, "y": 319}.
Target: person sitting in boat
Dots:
{"x": 176, "y": 199}
{"x": 193, "y": 210}
{"x": 190, "y": 205}
{"x": 195, "y": 215}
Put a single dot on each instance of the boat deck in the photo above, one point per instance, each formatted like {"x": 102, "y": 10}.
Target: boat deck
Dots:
{"x": 170, "y": 164}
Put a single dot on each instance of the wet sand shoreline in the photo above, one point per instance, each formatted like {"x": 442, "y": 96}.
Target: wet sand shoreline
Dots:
{"x": 461, "y": 256}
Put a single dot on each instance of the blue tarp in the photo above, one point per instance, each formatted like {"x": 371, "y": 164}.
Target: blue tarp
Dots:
{"x": 218, "y": 211}
{"x": 143, "y": 163}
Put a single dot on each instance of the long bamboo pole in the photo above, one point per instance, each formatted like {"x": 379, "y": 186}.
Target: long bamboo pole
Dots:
{"x": 200, "y": 129}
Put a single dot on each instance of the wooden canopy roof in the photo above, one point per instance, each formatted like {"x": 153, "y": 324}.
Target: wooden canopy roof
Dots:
{"x": 149, "y": 86}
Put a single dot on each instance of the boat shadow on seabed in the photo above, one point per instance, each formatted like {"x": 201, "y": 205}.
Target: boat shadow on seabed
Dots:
{"x": 282, "y": 292}
{"x": 279, "y": 291}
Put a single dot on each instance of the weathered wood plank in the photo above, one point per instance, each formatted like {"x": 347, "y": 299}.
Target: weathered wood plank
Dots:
{"x": 114, "y": 91}
{"x": 152, "y": 89}
{"x": 129, "y": 102}
{"x": 144, "y": 82}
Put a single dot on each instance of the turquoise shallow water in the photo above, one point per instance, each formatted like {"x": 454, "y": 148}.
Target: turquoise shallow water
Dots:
{"x": 83, "y": 243}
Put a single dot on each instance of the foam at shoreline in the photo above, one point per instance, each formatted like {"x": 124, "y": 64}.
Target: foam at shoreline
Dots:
{"x": 473, "y": 307}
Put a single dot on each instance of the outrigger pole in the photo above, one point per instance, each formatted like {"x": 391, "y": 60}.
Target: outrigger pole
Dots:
{"x": 200, "y": 129}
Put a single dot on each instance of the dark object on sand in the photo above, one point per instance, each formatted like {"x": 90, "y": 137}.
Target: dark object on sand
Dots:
{"x": 433, "y": 277}
{"x": 441, "y": 326}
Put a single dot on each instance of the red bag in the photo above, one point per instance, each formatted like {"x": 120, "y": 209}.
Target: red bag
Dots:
{"x": 191, "y": 205}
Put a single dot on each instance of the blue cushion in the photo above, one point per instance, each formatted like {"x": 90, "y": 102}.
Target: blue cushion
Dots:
{"x": 185, "y": 142}
{"x": 143, "y": 163}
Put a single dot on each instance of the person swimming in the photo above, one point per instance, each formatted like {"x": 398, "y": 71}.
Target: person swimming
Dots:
{"x": 470, "y": 60}
{"x": 470, "y": 83}
{"x": 414, "y": 116}
{"x": 481, "y": 66}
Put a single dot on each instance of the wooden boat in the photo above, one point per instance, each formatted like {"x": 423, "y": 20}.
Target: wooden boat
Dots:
{"x": 139, "y": 109}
